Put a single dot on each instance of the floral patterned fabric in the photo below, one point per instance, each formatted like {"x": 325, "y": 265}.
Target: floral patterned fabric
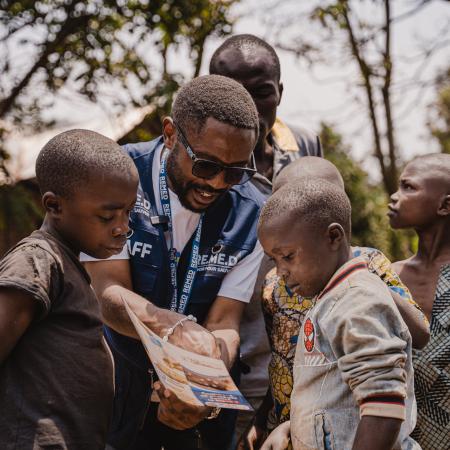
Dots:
{"x": 284, "y": 314}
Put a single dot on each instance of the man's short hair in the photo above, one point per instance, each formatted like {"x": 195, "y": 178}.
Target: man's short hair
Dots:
{"x": 245, "y": 43}
{"x": 73, "y": 157}
{"x": 218, "y": 97}
{"x": 314, "y": 201}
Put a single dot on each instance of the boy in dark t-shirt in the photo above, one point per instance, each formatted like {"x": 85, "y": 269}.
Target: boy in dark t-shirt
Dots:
{"x": 56, "y": 375}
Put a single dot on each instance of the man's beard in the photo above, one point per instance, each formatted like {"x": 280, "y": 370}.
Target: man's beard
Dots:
{"x": 182, "y": 187}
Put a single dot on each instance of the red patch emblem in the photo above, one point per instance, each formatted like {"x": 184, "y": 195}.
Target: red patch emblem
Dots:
{"x": 309, "y": 335}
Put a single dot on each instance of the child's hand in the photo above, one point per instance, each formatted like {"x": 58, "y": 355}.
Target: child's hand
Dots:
{"x": 279, "y": 438}
{"x": 253, "y": 439}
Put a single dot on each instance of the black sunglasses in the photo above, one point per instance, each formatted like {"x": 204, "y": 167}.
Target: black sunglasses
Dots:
{"x": 204, "y": 168}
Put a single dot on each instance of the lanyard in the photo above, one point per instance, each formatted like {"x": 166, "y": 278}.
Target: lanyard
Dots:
{"x": 180, "y": 304}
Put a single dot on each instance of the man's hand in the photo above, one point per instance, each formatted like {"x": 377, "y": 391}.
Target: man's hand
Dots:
{"x": 279, "y": 438}
{"x": 175, "y": 413}
{"x": 194, "y": 338}
{"x": 253, "y": 439}
{"x": 112, "y": 283}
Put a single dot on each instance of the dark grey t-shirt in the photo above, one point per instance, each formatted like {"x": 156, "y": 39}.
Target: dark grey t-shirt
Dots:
{"x": 56, "y": 386}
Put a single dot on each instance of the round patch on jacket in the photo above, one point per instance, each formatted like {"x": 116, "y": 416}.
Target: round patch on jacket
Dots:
{"x": 309, "y": 335}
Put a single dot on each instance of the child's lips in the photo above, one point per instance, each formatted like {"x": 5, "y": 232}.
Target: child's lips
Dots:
{"x": 118, "y": 247}
{"x": 392, "y": 211}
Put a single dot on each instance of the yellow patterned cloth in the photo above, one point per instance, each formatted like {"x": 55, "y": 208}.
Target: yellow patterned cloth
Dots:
{"x": 284, "y": 314}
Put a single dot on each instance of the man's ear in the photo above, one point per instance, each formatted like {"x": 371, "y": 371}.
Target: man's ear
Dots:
{"x": 52, "y": 204}
{"x": 444, "y": 207}
{"x": 336, "y": 235}
{"x": 280, "y": 89}
{"x": 169, "y": 133}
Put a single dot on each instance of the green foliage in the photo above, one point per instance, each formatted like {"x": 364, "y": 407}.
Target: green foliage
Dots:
{"x": 439, "y": 123}
{"x": 85, "y": 46}
{"x": 370, "y": 226}
{"x": 20, "y": 212}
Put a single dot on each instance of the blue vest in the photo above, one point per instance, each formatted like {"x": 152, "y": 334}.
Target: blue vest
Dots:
{"x": 228, "y": 235}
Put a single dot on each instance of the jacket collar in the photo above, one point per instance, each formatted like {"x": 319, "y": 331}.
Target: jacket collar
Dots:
{"x": 344, "y": 272}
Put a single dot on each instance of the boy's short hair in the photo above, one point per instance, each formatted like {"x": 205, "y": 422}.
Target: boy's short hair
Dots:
{"x": 308, "y": 167}
{"x": 314, "y": 201}
{"x": 71, "y": 158}
{"x": 218, "y": 97}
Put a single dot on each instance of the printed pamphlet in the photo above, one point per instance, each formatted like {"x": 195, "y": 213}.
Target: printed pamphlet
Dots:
{"x": 195, "y": 379}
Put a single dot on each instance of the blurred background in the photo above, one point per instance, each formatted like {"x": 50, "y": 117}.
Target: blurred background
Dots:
{"x": 371, "y": 77}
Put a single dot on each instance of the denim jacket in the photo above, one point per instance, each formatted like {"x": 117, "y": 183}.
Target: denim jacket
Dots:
{"x": 353, "y": 358}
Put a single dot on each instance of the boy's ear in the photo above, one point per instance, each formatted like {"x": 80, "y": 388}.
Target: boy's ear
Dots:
{"x": 444, "y": 207}
{"x": 52, "y": 204}
{"x": 169, "y": 133}
{"x": 336, "y": 235}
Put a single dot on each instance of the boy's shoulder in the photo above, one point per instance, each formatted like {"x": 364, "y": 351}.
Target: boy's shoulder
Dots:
{"x": 354, "y": 287}
{"x": 37, "y": 243}
{"x": 368, "y": 281}
{"x": 355, "y": 274}
{"x": 41, "y": 245}
{"x": 41, "y": 265}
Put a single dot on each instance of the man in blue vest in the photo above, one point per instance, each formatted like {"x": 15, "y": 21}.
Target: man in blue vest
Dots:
{"x": 193, "y": 199}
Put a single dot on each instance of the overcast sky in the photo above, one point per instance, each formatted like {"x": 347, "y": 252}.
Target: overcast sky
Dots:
{"x": 310, "y": 96}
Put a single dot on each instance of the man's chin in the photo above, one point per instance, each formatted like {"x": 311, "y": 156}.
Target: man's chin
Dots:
{"x": 191, "y": 204}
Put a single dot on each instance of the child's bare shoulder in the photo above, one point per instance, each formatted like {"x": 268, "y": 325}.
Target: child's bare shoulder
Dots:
{"x": 405, "y": 264}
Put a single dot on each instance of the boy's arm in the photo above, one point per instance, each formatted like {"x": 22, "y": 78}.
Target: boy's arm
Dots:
{"x": 375, "y": 433}
{"x": 17, "y": 310}
{"x": 368, "y": 339}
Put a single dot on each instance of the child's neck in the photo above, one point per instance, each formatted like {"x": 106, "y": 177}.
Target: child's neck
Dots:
{"x": 50, "y": 227}
{"x": 434, "y": 244}
{"x": 345, "y": 255}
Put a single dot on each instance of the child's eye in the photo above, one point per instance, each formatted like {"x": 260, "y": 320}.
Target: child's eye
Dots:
{"x": 405, "y": 185}
{"x": 288, "y": 257}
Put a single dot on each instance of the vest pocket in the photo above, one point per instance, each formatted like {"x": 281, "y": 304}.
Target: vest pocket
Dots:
{"x": 144, "y": 276}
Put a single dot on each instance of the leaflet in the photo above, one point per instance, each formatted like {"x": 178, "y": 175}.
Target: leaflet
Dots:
{"x": 195, "y": 379}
